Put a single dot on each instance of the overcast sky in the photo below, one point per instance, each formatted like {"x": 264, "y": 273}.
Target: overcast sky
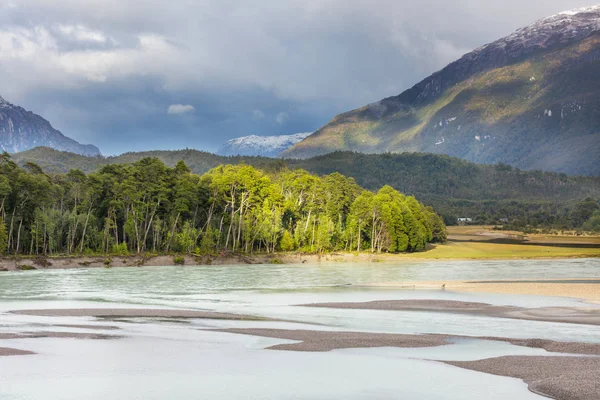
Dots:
{"x": 132, "y": 75}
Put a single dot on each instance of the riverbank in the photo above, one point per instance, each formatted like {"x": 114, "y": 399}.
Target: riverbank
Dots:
{"x": 469, "y": 250}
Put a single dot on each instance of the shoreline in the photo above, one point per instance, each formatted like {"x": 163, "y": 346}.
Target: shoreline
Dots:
{"x": 24, "y": 263}
{"x": 587, "y": 292}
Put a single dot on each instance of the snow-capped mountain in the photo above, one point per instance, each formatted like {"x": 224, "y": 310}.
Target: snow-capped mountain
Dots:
{"x": 266, "y": 146}
{"x": 23, "y": 130}
{"x": 530, "y": 100}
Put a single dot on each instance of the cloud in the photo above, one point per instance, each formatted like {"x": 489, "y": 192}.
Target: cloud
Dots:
{"x": 258, "y": 114}
{"x": 281, "y": 117}
{"x": 82, "y": 33}
{"x": 180, "y": 109}
{"x": 86, "y": 64}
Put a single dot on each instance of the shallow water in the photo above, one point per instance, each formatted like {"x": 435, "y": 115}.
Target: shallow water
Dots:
{"x": 160, "y": 359}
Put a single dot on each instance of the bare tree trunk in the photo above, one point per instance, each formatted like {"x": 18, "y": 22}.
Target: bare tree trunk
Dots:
{"x": 19, "y": 236}
{"x": 149, "y": 225}
{"x": 220, "y": 231}
{"x": 173, "y": 232}
{"x": 239, "y": 234}
{"x": 87, "y": 218}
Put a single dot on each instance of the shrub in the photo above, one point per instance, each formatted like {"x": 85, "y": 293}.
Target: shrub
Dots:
{"x": 26, "y": 267}
{"x": 107, "y": 262}
{"x": 178, "y": 260}
{"x": 120, "y": 249}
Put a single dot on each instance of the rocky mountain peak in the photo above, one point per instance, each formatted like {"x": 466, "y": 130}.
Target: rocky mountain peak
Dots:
{"x": 23, "y": 130}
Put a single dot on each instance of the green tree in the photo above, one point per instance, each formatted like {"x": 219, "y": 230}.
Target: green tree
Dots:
{"x": 287, "y": 241}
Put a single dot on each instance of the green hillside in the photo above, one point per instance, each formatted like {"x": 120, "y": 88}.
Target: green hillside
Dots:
{"x": 454, "y": 187}
{"x": 540, "y": 110}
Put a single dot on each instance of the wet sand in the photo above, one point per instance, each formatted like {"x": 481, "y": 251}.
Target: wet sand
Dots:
{"x": 5, "y": 351}
{"x": 83, "y": 326}
{"x": 322, "y": 341}
{"x": 59, "y": 335}
{"x": 134, "y": 313}
{"x": 564, "y": 378}
{"x": 573, "y": 315}
{"x": 551, "y": 287}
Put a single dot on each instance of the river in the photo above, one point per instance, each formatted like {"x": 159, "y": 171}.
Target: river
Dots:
{"x": 184, "y": 359}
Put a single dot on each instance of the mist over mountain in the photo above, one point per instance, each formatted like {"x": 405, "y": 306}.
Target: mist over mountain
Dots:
{"x": 22, "y": 130}
{"x": 531, "y": 100}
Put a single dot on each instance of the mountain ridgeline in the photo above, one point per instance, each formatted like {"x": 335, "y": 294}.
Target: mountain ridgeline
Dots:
{"x": 453, "y": 187}
{"x": 149, "y": 207}
{"x": 22, "y": 130}
{"x": 531, "y": 100}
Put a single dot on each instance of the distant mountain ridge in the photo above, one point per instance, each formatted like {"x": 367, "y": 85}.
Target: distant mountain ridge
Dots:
{"x": 531, "y": 100}
{"x": 22, "y": 130}
{"x": 266, "y": 146}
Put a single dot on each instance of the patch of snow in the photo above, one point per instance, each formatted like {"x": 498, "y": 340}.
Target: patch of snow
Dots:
{"x": 580, "y": 10}
{"x": 564, "y": 27}
{"x": 267, "y": 146}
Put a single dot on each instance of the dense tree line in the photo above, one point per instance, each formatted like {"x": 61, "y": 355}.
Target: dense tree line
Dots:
{"x": 148, "y": 207}
{"x": 488, "y": 194}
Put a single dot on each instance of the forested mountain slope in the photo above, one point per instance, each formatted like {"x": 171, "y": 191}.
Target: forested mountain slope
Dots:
{"x": 454, "y": 187}
{"x": 531, "y": 100}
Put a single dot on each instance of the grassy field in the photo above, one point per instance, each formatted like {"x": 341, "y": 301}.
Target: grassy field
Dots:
{"x": 485, "y": 233}
{"x": 481, "y": 242}
{"x": 483, "y": 250}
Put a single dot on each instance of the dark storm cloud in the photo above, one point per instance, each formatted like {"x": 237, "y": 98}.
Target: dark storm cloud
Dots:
{"x": 141, "y": 74}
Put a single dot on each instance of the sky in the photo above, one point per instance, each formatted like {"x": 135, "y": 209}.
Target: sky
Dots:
{"x": 131, "y": 75}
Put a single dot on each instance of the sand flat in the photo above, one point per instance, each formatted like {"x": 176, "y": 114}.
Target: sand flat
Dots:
{"x": 549, "y": 287}
{"x": 133, "y": 313}
{"x": 5, "y": 351}
{"x": 573, "y": 315}
{"x": 322, "y": 341}
{"x": 564, "y": 378}
{"x": 559, "y": 377}
{"x": 58, "y": 335}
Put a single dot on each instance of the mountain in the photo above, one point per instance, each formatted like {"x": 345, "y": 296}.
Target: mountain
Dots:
{"x": 23, "y": 130}
{"x": 266, "y": 146}
{"x": 531, "y": 100}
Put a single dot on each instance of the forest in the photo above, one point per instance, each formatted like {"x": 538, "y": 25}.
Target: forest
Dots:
{"x": 488, "y": 194}
{"x": 148, "y": 207}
